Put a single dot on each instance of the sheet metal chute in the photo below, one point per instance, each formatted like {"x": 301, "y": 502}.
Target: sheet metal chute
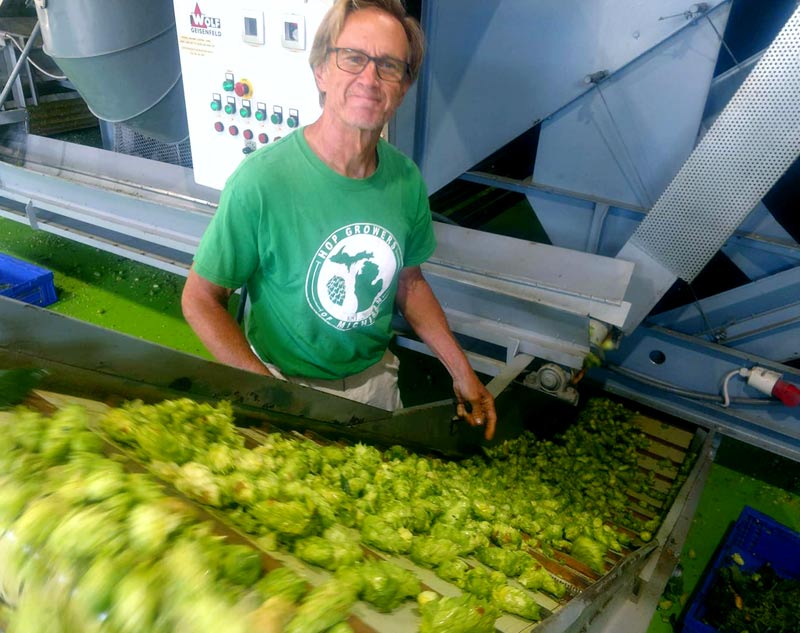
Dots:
{"x": 530, "y": 300}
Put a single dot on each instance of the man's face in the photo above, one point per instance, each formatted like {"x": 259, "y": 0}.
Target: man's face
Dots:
{"x": 365, "y": 101}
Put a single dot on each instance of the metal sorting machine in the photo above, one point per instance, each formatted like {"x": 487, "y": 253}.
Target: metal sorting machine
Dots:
{"x": 85, "y": 361}
{"x": 646, "y": 166}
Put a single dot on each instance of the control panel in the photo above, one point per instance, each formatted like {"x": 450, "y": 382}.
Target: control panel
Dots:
{"x": 246, "y": 77}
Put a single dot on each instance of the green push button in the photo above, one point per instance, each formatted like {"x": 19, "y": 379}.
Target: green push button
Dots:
{"x": 261, "y": 115}
{"x": 276, "y": 118}
{"x": 228, "y": 85}
{"x": 230, "y": 109}
{"x": 216, "y": 106}
{"x": 244, "y": 113}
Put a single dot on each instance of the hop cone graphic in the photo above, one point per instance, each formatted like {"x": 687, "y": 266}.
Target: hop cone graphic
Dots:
{"x": 336, "y": 290}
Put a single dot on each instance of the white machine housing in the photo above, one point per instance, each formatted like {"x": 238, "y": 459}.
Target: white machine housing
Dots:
{"x": 246, "y": 76}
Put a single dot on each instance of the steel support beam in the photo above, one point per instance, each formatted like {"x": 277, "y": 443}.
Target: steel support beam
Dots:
{"x": 682, "y": 375}
{"x": 15, "y": 66}
{"x": 527, "y": 187}
{"x": 761, "y": 318}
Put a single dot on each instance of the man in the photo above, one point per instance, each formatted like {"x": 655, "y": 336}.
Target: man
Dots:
{"x": 328, "y": 228}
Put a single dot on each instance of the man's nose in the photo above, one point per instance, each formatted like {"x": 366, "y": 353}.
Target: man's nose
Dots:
{"x": 370, "y": 72}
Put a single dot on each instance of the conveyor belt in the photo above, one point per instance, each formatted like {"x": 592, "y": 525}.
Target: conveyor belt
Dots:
{"x": 85, "y": 360}
{"x": 668, "y": 458}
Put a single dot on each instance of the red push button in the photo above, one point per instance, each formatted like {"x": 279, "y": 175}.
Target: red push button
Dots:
{"x": 263, "y": 138}
{"x": 233, "y": 130}
{"x": 241, "y": 89}
{"x": 247, "y": 134}
{"x": 219, "y": 127}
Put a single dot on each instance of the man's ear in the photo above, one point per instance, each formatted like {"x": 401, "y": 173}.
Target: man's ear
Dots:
{"x": 406, "y": 85}
{"x": 320, "y": 73}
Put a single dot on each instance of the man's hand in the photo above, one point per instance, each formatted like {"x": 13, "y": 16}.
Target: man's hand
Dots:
{"x": 423, "y": 312}
{"x": 475, "y": 404}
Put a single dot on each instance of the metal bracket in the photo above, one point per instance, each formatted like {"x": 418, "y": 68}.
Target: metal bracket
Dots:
{"x": 596, "y": 77}
{"x": 694, "y": 11}
{"x": 512, "y": 369}
{"x": 513, "y": 350}
{"x": 33, "y": 219}
{"x": 14, "y": 117}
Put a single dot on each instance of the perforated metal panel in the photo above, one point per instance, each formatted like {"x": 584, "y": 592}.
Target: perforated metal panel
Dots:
{"x": 128, "y": 141}
{"x": 752, "y": 143}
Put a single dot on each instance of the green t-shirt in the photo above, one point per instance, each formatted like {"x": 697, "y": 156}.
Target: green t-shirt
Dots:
{"x": 320, "y": 254}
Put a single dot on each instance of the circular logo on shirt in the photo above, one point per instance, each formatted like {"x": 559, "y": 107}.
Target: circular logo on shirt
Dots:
{"x": 351, "y": 274}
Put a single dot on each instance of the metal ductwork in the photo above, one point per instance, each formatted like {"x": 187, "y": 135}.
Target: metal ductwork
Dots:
{"x": 122, "y": 58}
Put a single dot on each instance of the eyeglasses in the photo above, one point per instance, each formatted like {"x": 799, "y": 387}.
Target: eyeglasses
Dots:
{"x": 353, "y": 61}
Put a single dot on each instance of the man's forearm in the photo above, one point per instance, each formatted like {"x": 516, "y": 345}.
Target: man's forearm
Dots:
{"x": 205, "y": 309}
{"x": 424, "y": 314}
{"x": 223, "y": 337}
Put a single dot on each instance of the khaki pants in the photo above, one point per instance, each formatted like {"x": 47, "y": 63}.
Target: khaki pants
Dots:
{"x": 376, "y": 385}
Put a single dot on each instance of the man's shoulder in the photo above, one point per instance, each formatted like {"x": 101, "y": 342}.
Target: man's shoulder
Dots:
{"x": 397, "y": 159}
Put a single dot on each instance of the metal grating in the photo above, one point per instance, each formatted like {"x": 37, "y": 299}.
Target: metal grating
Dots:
{"x": 750, "y": 146}
{"x": 129, "y": 141}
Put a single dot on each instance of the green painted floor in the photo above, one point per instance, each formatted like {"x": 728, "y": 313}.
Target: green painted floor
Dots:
{"x": 105, "y": 289}
{"x": 741, "y": 475}
{"x": 116, "y": 293}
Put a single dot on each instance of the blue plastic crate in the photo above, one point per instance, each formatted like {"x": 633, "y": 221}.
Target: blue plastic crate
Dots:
{"x": 26, "y": 282}
{"x": 758, "y": 539}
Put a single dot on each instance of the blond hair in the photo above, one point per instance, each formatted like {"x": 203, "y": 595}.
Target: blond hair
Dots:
{"x": 333, "y": 24}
